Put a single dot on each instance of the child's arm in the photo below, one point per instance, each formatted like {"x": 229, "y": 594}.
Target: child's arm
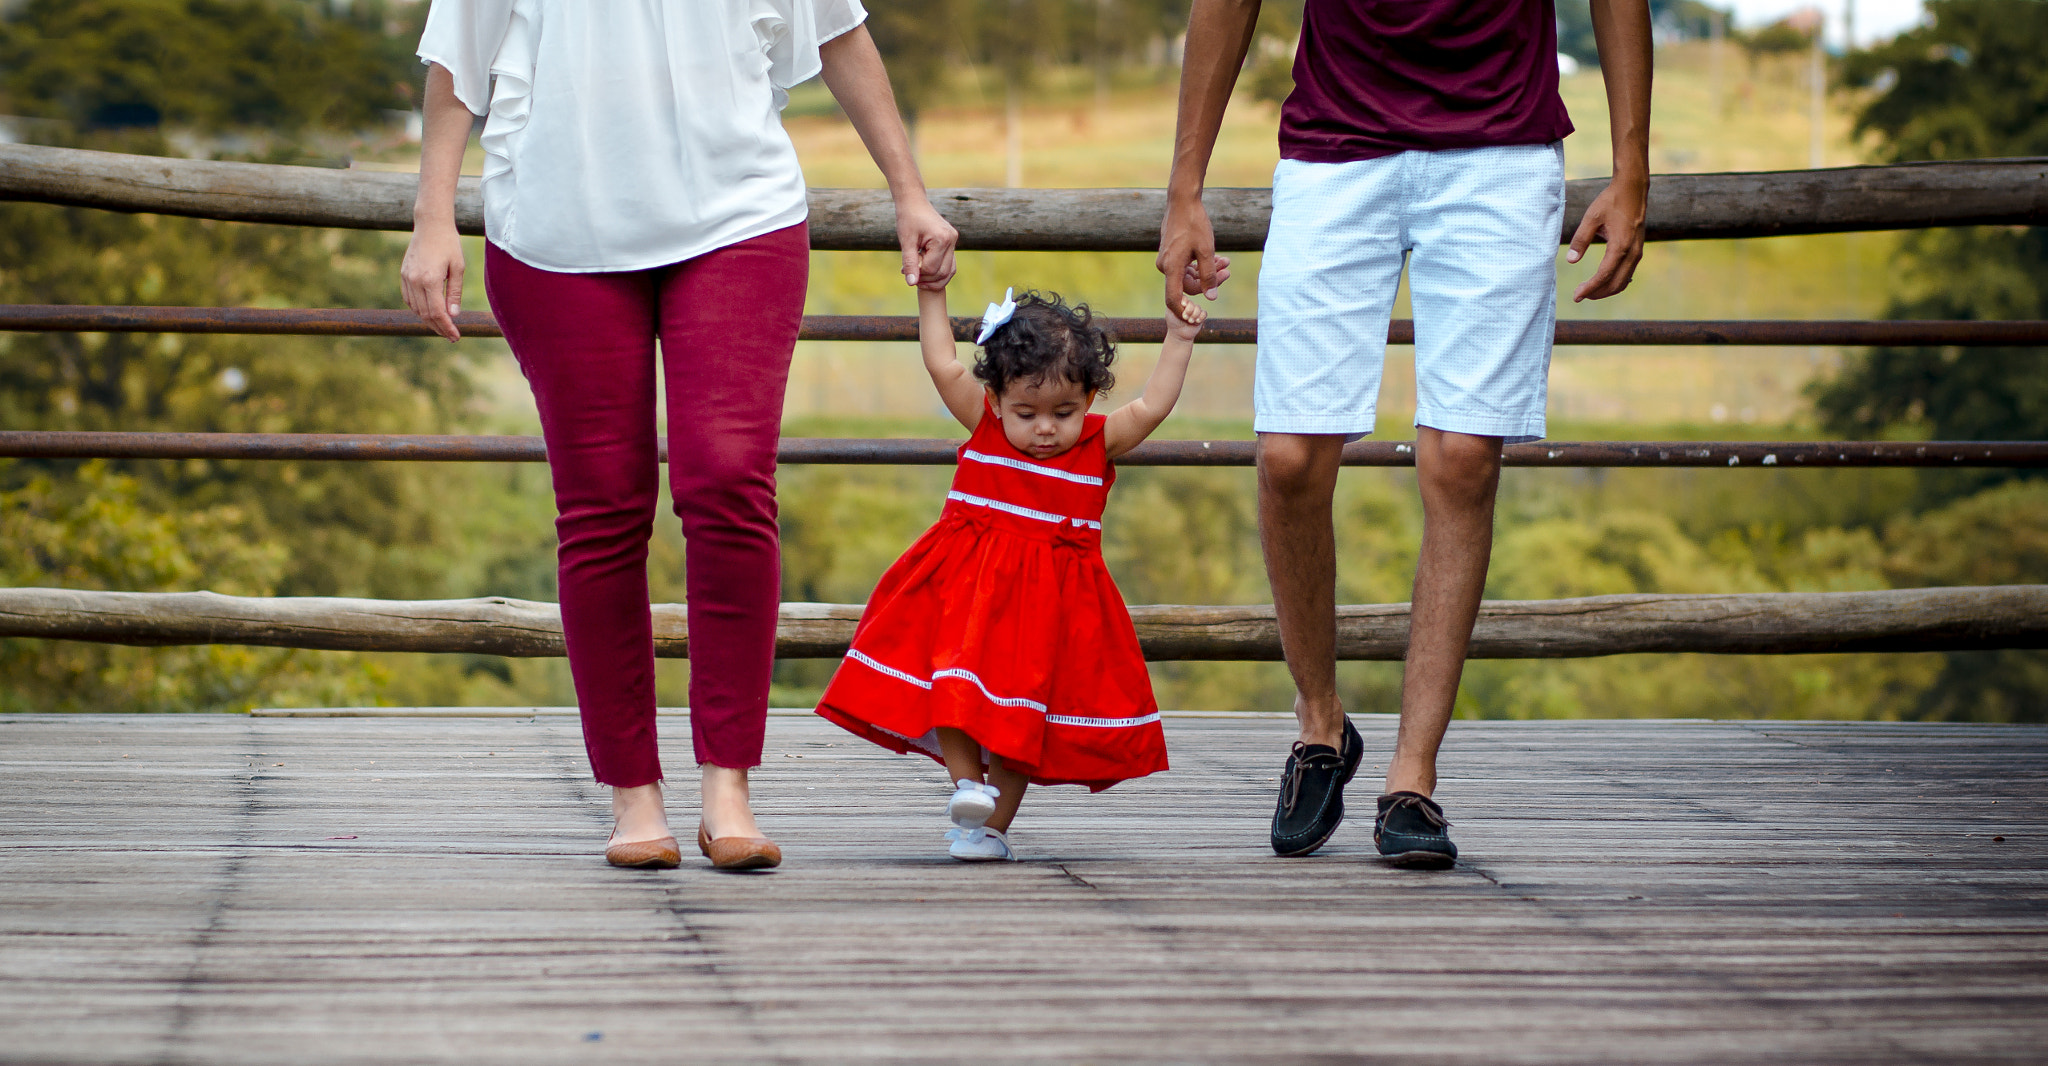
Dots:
{"x": 1129, "y": 425}
{"x": 964, "y": 396}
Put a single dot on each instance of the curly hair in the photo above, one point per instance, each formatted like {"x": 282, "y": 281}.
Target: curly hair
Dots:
{"x": 1045, "y": 340}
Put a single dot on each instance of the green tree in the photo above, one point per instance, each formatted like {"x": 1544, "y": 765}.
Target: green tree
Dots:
{"x": 918, "y": 40}
{"x": 209, "y": 64}
{"x": 1971, "y": 83}
{"x": 1999, "y": 536}
{"x": 282, "y": 68}
{"x": 355, "y": 528}
{"x": 90, "y": 529}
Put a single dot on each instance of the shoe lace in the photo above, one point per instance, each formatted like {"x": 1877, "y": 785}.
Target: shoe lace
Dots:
{"x": 1290, "y": 783}
{"x": 1430, "y": 812}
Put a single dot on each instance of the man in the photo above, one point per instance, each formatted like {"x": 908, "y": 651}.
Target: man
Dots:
{"x": 1423, "y": 132}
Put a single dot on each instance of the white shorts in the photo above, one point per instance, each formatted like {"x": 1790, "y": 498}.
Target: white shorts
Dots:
{"x": 1478, "y": 229}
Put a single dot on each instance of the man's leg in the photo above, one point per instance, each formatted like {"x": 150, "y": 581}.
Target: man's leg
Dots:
{"x": 1326, "y": 288}
{"x": 1297, "y": 478}
{"x": 1458, "y": 474}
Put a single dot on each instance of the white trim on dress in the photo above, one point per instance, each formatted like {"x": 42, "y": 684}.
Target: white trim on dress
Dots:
{"x": 867, "y": 660}
{"x": 1029, "y": 468}
{"x": 1021, "y": 512}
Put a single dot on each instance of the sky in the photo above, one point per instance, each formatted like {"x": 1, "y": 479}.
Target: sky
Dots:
{"x": 1875, "y": 19}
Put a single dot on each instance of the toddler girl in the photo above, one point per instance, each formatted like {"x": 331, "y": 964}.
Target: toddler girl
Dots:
{"x": 998, "y": 644}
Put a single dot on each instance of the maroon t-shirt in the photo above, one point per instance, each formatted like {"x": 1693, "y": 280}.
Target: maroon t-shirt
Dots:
{"x": 1375, "y": 77}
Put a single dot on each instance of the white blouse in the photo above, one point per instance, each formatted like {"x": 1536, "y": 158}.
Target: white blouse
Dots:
{"x": 630, "y": 134}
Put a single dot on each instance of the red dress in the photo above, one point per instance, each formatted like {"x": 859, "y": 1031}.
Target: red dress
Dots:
{"x": 1002, "y": 621}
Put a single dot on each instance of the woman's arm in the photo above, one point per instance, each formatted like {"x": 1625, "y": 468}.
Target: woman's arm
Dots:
{"x": 431, "y": 275}
{"x": 854, "y": 73}
{"x": 956, "y": 384}
{"x": 1129, "y": 425}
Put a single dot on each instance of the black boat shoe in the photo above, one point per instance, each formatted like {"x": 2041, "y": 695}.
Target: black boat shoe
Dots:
{"x": 1311, "y": 802}
{"x": 1410, "y": 831}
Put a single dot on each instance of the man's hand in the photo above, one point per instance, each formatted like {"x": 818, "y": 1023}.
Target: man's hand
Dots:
{"x": 1187, "y": 256}
{"x": 1622, "y": 30}
{"x": 1615, "y": 217}
{"x": 928, "y": 241}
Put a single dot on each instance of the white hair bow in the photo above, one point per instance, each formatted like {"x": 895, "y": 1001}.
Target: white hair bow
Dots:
{"x": 997, "y": 314}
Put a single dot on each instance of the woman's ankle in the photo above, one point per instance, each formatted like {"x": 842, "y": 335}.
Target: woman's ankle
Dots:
{"x": 728, "y": 805}
{"x": 638, "y": 813}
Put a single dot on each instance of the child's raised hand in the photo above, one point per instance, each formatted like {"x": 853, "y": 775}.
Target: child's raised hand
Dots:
{"x": 1191, "y": 279}
{"x": 1186, "y": 320}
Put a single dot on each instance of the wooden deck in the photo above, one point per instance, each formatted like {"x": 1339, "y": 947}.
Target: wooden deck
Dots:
{"x": 231, "y": 889}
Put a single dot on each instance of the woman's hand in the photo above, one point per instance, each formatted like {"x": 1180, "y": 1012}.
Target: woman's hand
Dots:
{"x": 854, "y": 73}
{"x": 928, "y": 241}
{"x": 431, "y": 277}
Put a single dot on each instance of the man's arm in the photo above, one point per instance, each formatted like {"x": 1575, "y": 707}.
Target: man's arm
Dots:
{"x": 1219, "y": 35}
{"x": 1622, "y": 30}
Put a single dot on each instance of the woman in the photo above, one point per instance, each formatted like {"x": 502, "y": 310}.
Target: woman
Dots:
{"x": 638, "y": 185}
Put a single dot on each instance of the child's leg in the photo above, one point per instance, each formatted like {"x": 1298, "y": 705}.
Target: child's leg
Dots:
{"x": 963, "y": 755}
{"x": 1012, "y": 785}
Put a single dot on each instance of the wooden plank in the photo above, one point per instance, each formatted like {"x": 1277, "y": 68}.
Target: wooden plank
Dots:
{"x": 1999, "y": 616}
{"x": 1682, "y": 206}
{"x": 230, "y": 889}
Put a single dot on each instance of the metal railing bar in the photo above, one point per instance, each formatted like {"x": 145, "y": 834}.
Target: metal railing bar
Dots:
{"x": 339, "y": 322}
{"x": 378, "y": 447}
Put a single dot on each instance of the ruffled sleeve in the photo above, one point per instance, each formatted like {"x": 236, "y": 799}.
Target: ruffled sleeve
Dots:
{"x": 792, "y": 30}
{"x": 464, "y": 36}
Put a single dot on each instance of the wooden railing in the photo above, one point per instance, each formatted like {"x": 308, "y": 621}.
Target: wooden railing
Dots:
{"x": 1682, "y": 206}
{"x": 2006, "y": 192}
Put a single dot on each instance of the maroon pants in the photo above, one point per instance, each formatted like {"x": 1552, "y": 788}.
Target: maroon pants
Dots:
{"x": 727, "y": 321}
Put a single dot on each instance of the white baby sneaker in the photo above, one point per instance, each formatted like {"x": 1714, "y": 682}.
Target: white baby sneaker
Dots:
{"x": 972, "y": 803}
{"x": 980, "y": 844}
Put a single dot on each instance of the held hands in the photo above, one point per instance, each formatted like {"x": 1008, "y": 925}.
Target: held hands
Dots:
{"x": 1616, "y": 216}
{"x": 1185, "y": 323}
{"x": 928, "y": 241}
{"x": 1187, "y": 256}
{"x": 431, "y": 278}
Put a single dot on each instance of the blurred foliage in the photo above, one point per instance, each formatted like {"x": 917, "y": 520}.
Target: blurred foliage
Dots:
{"x": 210, "y": 64}
{"x": 1996, "y": 537}
{"x": 1671, "y": 20}
{"x": 917, "y": 43}
{"x": 1973, "y": 82}
{"x": 1970, "y": 83}
{"x": 108, "y": 69}
{"x": 374, "y": 529}
{"x": 355, "y": 528}
{"x": 926, "y": 42}
{"x": 90, "y": 529}
{"x": 1777, "y": 39}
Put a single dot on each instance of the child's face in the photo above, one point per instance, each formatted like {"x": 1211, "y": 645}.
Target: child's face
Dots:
{"x": 1043, "y": 418}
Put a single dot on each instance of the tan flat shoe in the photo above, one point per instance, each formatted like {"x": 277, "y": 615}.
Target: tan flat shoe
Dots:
{"x": 738, "y": 853}
{"x": 660, "y": 854}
